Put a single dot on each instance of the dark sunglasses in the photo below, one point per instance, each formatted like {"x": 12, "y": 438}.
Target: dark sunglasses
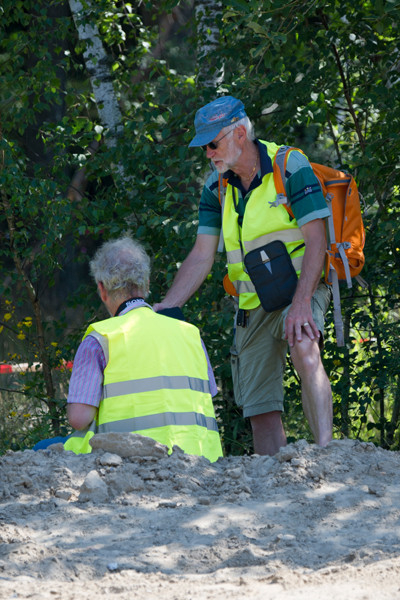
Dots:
{"x": 214, "y": 145}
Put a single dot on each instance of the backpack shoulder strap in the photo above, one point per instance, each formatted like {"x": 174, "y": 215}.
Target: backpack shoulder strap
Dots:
{"x": 279, "y": 170}
{"x": 337, "y": 309}
{"x": 222, "y": 185}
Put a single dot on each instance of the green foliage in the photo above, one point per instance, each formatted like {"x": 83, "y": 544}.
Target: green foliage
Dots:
{"x": 24, "y": 417}
{"x": 321, "y": 75}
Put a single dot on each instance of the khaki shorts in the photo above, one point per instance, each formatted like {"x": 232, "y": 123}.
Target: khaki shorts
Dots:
{"x": 258, "y": 355}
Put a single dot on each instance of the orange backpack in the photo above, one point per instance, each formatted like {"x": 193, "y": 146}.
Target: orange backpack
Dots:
{"x": 345, "y": 229}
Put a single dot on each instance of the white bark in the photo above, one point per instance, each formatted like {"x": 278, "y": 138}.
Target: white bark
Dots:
{"x": 96, "y": 64}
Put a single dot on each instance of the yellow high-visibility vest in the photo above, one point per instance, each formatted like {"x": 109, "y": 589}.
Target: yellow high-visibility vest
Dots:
{"x": 155, "y": 384}
{"x": 262, "y": 223}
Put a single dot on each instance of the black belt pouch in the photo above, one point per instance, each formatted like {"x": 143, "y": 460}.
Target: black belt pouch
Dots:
{"x": 272, "y": 274}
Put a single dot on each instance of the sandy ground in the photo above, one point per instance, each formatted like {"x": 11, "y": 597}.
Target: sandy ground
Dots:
{"x": 131, "y": 522}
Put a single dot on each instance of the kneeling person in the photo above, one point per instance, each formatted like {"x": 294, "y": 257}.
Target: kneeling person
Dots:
{"x": 139, "y": 371}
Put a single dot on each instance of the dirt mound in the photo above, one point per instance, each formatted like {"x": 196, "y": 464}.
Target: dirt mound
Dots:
{"x": 129, "y": 520}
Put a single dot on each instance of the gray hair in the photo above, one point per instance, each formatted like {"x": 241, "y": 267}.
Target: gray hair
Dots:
{"x": 123, "y": 267}
{"x": 247, "y": 124}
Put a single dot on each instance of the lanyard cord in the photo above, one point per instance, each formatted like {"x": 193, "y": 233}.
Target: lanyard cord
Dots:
{"x": 131, "y": 302}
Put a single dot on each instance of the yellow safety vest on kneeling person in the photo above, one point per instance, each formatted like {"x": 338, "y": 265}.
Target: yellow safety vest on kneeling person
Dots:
{"x": 262, "y": 223}
{"x": 155, "y": 384}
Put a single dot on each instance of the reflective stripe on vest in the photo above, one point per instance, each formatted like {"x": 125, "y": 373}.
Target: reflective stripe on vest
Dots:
{"x": 244, "y": 287}
{"x": 262, "y": 223}
{"x": 166, "y": 419}
{"x": 151, "y": 384}
{"x": 247, "y": 287}
{"x": 286, "y": 236}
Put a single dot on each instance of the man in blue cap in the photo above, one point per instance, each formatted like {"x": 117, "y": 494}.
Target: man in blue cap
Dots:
{"x": 240, "y": 199}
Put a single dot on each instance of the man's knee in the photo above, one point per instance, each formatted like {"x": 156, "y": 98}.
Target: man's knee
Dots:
{"x": 306, "y": 357}
{"x": 266, "y": 422}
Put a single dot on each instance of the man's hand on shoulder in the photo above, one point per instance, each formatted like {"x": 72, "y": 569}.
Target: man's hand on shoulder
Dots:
{"x": 164, "y": 306}
{"x": 159, "y": 306}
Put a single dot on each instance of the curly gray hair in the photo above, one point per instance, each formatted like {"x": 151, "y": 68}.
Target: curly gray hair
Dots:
{"x": 123, "y": 267}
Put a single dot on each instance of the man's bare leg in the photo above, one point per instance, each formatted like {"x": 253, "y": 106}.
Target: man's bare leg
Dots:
{"x": 268, "y": 433}
{"x": 316, "y": 390}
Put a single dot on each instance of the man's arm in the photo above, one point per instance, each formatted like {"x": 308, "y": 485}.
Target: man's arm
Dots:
{"x": 313, "y": 262}
{"x": 80, "y": 415}
{"x": 192, "y": 272}
{"x": 86, "y": 383}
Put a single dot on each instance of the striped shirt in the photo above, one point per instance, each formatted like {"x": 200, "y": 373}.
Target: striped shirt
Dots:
{"x": 86, "y": 383}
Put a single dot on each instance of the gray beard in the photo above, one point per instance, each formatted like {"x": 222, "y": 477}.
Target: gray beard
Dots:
{"x": 231, "y": 159}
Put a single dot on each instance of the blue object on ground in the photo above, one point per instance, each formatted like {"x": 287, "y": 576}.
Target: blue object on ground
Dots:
{"x": 43, "y": 444}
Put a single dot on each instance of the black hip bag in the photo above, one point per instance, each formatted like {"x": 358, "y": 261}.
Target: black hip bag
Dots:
{"x": 273, "y": 275}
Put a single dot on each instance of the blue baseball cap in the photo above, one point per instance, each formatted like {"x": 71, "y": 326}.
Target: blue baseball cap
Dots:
{"x": 213, "y": 117}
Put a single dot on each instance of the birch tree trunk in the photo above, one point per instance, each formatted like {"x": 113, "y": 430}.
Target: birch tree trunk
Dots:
{"x": 210, "y": 70}
{"x": 96, "y": 62}
{"x": 97, "y": 66}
